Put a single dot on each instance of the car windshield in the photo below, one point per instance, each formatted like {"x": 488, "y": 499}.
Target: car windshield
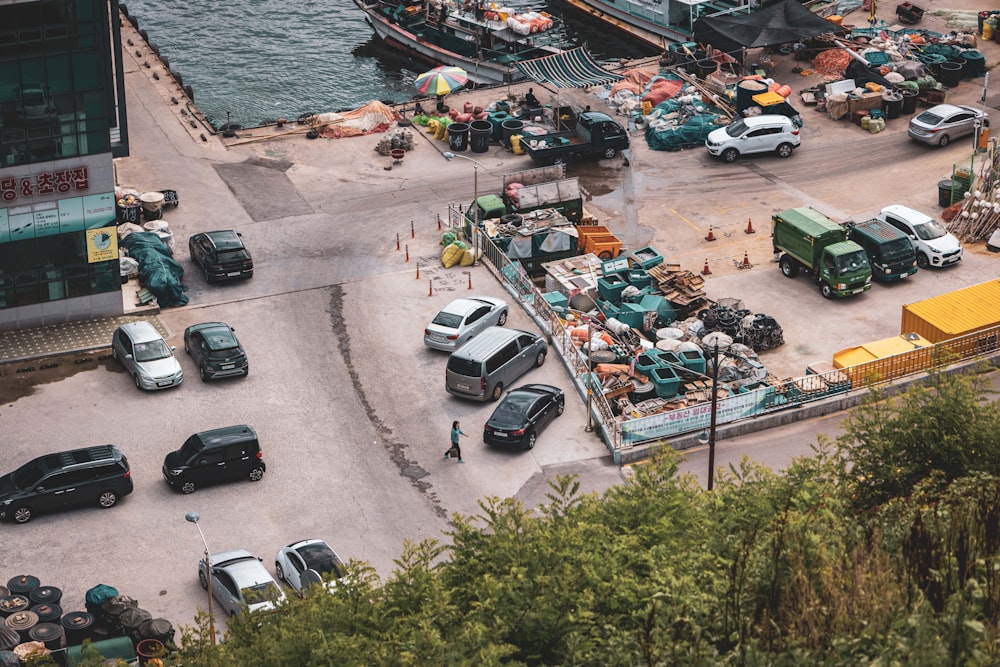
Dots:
{"x": 151, "y": 351}
{"x": 28, "y": 475}
{"x": 898, "y": 249}
{"x": 932, "y": 229}
{"x": 448, "y": 320}
{"x": 736, "y": 129}
{"x": 258, "y": 593}
{"x": 321, "y": 558}
{"x": 513, "y": 409}
{"x": 851, "y": 262}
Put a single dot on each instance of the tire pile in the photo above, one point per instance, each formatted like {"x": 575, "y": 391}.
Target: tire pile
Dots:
{"x": 758, "y": 331}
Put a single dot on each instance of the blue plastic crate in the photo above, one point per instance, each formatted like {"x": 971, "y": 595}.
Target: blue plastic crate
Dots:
{"x": 647, "y": 257}
{"x": 666, "y": 381}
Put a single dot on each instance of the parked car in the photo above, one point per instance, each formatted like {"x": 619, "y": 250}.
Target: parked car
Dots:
{"x": 98, "y": 476}
{"x": 216, "y": 350}
{"x": 934, "y": 244}
{"x": 522, "y": 414}
{"x": 240, "y": 581}
{"x": 462, "y": 319}
{"x": 944, "y": 122}
{"x": 220, "y": 455}
{"x": 481, "y": 368}
{"x": 146, "y": 356}
{"x": 221, "y": 255}
{"x": 768, "y": 133}
{"x": 308, "y": 562}
{"x": 35, "y": 105}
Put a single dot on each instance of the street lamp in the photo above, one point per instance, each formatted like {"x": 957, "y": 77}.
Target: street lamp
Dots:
{"x": 711, "y": 427}
{"x": 476, "y": 164}
{"x": 193, "y": 518}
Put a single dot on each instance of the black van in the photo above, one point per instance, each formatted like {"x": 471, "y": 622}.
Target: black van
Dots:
{"x": 889, "y": 250}
{"x": 220, "y": 455}
{"x": 97, "y": 475}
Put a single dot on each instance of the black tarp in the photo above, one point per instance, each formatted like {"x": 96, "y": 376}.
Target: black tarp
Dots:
{"x": 783, "y": 23}
{"x": 158, "y": 270}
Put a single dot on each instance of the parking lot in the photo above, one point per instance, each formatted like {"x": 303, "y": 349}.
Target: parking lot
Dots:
{"x": 349, "y": 404}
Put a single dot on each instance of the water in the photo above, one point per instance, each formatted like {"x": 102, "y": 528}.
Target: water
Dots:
{"x": 260, "y": 60}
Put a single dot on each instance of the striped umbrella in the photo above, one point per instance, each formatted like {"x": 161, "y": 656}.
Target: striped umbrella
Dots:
{"x": 441, "y": 80}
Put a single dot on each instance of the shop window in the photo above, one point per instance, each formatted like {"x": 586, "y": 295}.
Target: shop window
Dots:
{"x": 77, "y": 280}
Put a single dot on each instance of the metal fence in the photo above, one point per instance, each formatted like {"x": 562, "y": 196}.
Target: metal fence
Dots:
{"x": 745, "y": 399}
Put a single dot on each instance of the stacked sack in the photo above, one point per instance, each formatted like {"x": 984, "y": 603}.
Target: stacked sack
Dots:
{"x": 456, "y": 252}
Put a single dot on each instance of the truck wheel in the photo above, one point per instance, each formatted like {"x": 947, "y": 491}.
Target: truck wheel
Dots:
{"x": 730, "y": 154}
{"x": 788, "y": 267}
{"x": 609, "y": 153}
{"x": 784, "y": 150}
{"x": 825, "y": 290}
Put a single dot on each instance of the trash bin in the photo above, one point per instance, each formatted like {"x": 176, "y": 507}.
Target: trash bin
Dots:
{"x": 910, "y": 98}
{"x": 950, "y": 191}
{"x": 509, "y": 128}
{"x": 458, "y": 136}
{"x": 951, "y": 73}
{"x": 973, "y": 65}
{"x": 480, "y": 133}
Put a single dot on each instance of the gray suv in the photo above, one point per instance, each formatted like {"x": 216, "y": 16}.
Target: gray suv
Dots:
{"x": 494, "y": 359}
{"x": 97, "y": 476}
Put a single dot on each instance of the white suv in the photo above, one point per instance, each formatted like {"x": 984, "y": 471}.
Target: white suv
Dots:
{"x": 769, "y": 133}
{"x": 934, "y": 244}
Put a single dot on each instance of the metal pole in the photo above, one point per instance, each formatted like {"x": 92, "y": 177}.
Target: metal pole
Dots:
{"x": 194, "y": 518}
{"x": 711, "y": 427}
{"x": 475, "y": 203}
{"x": 590, "y": 375}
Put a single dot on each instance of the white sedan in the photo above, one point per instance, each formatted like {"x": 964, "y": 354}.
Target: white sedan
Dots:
{"x": 462, "y": 319}
{"x": 307, "y": 562}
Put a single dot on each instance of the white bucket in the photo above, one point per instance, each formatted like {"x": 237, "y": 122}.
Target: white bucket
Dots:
{"x": 151, "y": 201}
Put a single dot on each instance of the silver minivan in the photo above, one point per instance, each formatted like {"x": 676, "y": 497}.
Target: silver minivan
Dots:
{"x": 488, "y": 363}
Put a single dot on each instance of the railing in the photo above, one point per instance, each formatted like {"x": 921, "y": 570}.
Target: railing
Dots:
{"x": 748, "y": 398}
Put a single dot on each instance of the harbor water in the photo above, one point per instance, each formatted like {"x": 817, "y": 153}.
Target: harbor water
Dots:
{"x": 256, "y": 61}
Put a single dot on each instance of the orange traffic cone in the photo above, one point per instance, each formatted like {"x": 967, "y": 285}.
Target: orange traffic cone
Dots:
{"x": 711, "y": 236}
{"x": 746, "y": 261}
{"x": 750, "y": 229}
{"x": 706, "y": 271}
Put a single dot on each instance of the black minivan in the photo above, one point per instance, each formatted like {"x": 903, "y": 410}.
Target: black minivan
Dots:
{"x": 97, "y": 475}
{"x": 220, "y": 455}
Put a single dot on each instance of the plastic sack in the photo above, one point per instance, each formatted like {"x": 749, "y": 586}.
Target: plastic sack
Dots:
{"x": 468, "y": 258}
{"x": 448, "y": 238}
{"x": 452, "y": 255}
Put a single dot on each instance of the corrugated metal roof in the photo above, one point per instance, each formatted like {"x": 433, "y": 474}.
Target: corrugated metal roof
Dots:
{"x": 962, "y": 311}
{"x": 569, "y": 69}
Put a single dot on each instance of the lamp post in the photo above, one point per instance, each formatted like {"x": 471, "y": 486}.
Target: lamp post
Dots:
{"x": 193, "y": 518}
{"x": 711, "y": 426}
{"x": 476, "y": 164}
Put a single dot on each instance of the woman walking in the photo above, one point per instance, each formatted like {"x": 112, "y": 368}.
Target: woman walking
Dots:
{"x": 455, "y": 450}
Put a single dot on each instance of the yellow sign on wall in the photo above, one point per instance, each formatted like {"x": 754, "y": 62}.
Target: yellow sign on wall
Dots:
{"x": 102, "y": 244}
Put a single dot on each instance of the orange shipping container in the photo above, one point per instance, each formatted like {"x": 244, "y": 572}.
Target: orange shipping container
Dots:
{"x": 955, "y": 313}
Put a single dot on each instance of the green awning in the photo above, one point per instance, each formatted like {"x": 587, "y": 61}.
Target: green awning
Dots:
{"x": 569, "y": 69}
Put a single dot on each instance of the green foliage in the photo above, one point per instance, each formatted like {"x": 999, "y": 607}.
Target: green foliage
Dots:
{"x": 768, "y": 569}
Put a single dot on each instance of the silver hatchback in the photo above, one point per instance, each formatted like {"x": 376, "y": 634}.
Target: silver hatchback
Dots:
{"x": 942, "y": 123}
{"x": 146, "y": 356}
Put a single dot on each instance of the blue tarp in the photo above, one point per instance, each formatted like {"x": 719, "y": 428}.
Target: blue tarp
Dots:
{"x": 158, "y": 270}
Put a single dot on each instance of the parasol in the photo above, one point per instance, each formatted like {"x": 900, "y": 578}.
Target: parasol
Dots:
{"x": 441, "y": 80}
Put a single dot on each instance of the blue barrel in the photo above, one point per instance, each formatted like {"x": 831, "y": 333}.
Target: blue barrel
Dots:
{"x": 458, "y": 136}
{"x": 481, "y": 131}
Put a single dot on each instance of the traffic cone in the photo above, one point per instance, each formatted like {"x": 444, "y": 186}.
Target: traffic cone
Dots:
{"x": 750, "y": 229}
{"x": 711, "y": 236}
{"x": 746, "y": 261}
{"x": 706, "y": 271}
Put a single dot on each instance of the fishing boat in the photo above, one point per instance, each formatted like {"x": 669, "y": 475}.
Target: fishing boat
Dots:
{"x": 658, "y": 23}
{"x": 484, "y": 39}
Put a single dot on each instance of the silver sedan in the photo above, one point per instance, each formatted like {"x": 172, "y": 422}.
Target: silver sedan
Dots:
{"x": 146, "y": 356}
{"x": 240, "y": 581}
{"x": 463, "y": 319}
{"x": 942, "y": 123}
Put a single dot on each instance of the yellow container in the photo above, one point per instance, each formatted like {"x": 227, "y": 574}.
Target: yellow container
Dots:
{"x": 515, "y": 144}
{"x": 909, "y": 353}
{"x": 953, "y": 314}
{"x": 768, "y": 99}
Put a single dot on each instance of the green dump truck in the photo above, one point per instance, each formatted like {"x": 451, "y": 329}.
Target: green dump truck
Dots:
{"x": 806, "y": 240}
{"x": 530, "y": 190}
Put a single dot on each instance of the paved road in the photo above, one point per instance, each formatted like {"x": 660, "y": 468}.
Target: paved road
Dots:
{"x": 350, "y": 407}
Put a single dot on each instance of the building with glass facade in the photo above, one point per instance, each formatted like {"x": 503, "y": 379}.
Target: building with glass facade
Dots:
{"x": 62, "y": 121}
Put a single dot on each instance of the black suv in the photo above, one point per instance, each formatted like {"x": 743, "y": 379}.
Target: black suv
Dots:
{"x": 96, "y": 475}
{"x": 221, "y": 255}
{"x": 221, "y": 455}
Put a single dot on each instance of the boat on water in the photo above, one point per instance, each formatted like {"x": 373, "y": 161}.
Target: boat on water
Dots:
{"x": 658, "y": 23}
{"x": 484, "y": 39}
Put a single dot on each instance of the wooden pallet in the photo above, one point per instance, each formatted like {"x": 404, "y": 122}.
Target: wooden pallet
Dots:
{"x": 143, "y": 297}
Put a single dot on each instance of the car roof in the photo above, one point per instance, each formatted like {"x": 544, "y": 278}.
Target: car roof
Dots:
{"x": 466, "y": 305}
{"x": 225, "y": 239}
{"x": 242, "y": 566}
{"x": 910, "y": 215}
{"x": 141, "y": 331}
{"x": 767, "y": 119}
{"x": 215, "y": 332}
{"x": 536, "y": 389}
